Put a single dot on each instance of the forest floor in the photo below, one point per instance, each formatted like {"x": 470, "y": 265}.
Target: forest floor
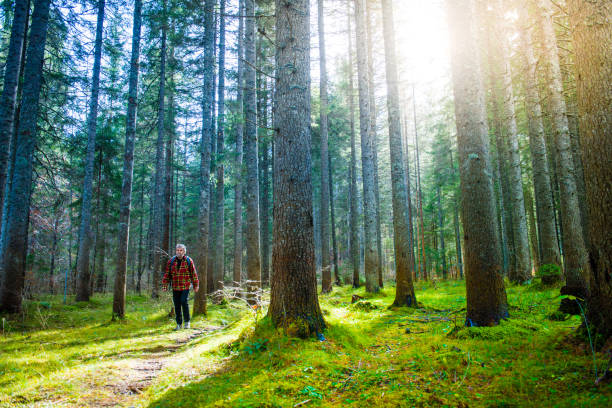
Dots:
{"x": 56, "y": 355}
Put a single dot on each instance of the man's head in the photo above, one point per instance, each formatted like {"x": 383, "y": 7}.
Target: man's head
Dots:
{"x": 181, "y": 249}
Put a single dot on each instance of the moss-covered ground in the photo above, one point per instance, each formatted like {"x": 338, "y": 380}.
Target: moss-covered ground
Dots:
{"x": 73, "y": 355}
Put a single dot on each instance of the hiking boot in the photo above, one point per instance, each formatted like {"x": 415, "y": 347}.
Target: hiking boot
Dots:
{"x": 178, "y": 327}
{"x": 188, "y": 325}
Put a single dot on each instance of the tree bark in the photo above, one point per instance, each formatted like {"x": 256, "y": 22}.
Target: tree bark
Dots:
{"x": 367, "y": 154}
{"x": 332, "y": 214}
{"x": 250, "y": 150}
{"x": 502, "y": 91}
{"x": 85, "y": 228}
{"x": 159, "y": 201}
{"x": 404, "y": 290}
{"x": 15, "y": 229}
{"x": 592, "y": 34}
{"x": 574, "y": 248}
{"x": 128, "y": 172}
{"x": 219, "y": 233}
{"x": 199, "y": 304}
{"x": 8, "y": 98}
{"x": 293, "y": 300}
{"x": 549, "y": 246}
{"x": 486, "y": 296}
{"x": 238, "y": 170}
{"x": 326, "y": 279}
{"x": 372, "y": 96}
{"x": 355, "y": 245}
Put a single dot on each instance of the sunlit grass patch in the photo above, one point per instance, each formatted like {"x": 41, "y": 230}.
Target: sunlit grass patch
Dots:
{"x": 375, "y": 356}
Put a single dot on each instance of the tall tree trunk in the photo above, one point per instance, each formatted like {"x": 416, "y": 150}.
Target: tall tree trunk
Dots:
{"x": 8, "y": 98}
{"x": 128, "y": 172}
{"x": 250, "y": 147}
{"x": 486, "y": 296}
{"x": 15, "y": 229}
{"x": 85, "y": 228}
{"x": 592, "y": 34}
{"x": 238, "y": 170}
{"x": 354, "y": 234}
{"x": 265, "y": 192}
{"x": 367, "y": 154}
{"x": 210, "y": 276}
{"x": 372, "y": 95}
{"x": 456, "y": 222}
{"x": 411, "y": 237}
{"x": 533, "y": 232}
{"x": 574, "y": 248}
{"x": 326, "y": 279}
{"x": 199, "y": 304}
{"x": 502, "y": 90}
{"x": 160, "y": 202}
{"x": 404, "y": 290}
{"x": 53, "y": 256}
{"x": 332, "y": 214}
{"x": 219, "y": 233}
{"x": 419, "y": 193}
{"x": 293, "y": 299}
{"x": 441, "y": 227}
{"x": 549, "y": 246}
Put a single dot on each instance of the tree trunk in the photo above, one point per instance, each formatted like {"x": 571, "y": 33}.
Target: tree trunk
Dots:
{"x": 355, "y": 246}
{"x": 533, "y": 233}
{"x": 332, "y": 214}
{"x": 372, "y": 96}
{"x": 53, "y": 255}
{"x": 238, "y": 170}
{"x": 8, "y": 98}
{"x": 441, "y": 227}
{"x": 486, "y": 296}
{"x": 419, "y": 192}
{"x": 592, "y": 41}
{"x": 199, "y": 304}
{"x": 404, "y": 290}
{"x": 326, "y": 279}
{"x": 265, "y": 192}
{"x": 549, "y": 246}
{"x": 574, "y": 248}
{"x": 219, "y": 233}
{"x": 85, "y": 233}
{"x": 250, "y": 147}
{"x": 128, "y": 172}
{"x": 293, "y": 299}
{"x": 160, "y": 202}
{"x": 15, "y": 229}
{"x": 502, "y": 90}
{"x": 367, "y": 154}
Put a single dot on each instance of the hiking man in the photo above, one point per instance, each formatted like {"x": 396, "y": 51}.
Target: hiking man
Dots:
{"x": 181, "y": 273}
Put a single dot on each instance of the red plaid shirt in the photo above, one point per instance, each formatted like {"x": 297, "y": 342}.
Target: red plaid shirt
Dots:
{"x": 183, "y": 277}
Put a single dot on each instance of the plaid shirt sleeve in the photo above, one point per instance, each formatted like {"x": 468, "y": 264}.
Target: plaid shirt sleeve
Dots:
{"x": 194, "y": 274}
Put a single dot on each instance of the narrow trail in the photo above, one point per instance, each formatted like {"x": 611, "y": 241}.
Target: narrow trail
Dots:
{"x": 130, "y": 375}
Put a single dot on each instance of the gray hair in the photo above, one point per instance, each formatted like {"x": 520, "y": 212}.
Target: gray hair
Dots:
{"x": 182, "y": 246}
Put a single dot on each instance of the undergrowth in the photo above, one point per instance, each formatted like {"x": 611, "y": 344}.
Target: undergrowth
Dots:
{"x": 372, "y": 355}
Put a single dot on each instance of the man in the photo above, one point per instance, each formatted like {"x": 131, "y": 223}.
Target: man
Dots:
{"x": 181, "y": 273}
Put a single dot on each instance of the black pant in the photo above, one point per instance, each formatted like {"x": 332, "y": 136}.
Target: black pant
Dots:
{"x": 180, "y": 302}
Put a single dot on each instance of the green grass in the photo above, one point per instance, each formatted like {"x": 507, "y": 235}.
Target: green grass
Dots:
{"x": 73, "y": 355}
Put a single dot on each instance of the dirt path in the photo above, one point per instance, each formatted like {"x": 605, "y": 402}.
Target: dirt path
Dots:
{"x": 130, "y": 376}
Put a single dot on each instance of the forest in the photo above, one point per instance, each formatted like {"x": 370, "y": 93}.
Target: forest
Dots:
{"x": 306, "y": 203}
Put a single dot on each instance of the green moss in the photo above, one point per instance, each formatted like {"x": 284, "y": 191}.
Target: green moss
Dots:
{"x": 367, "y": 359}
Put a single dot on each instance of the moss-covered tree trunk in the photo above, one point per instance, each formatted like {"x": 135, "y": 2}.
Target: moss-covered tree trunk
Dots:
{"x": 294, "y": 305}
{"x": 486, "y": 296}
{"x": 237, "y": 266}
